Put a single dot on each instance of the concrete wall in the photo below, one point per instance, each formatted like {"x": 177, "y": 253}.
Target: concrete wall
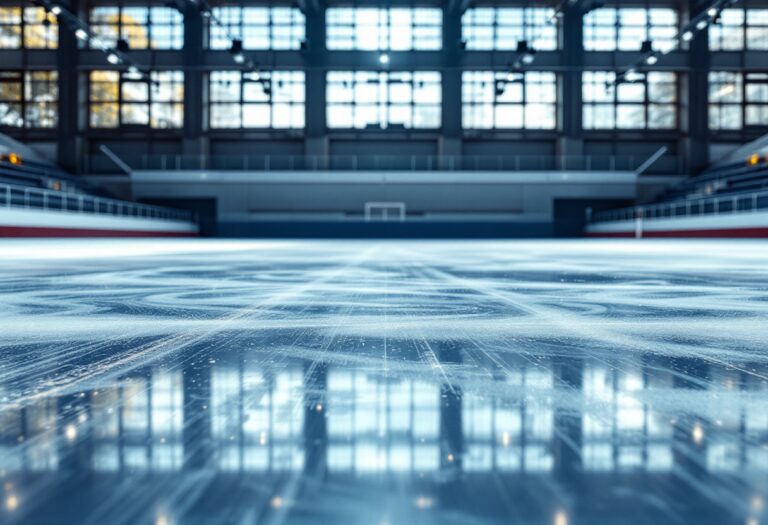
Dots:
{"x": 262, "y": 203}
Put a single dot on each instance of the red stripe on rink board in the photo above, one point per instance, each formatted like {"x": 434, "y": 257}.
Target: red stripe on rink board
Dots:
{"x": 741, "y": 233}
{"x": 33, "y": 231}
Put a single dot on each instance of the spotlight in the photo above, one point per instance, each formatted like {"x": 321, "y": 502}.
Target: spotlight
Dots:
{"x": 237, "y": 51}
{"x": 702, "y": 24}
{"x": 113, "y": 58}
{"x": 56, "y": 10}
{"x": 688, "y": 36}
{"x": 666, "y": 47}
{"x": 527, "y": 53}
{"x": 384, "y": 59}
{"x": 712, "y": 12}
{"x": 133, "y": 73}
{"x": 81, "y": 34}
{"x": 651, "y": 60}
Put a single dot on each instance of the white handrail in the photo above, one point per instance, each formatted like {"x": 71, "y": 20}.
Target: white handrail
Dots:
{"x": 36, "y": 198}
{"x": 114, "y": 158}
{"x": 651, "y": 160}
{"x": 672, "y": 209}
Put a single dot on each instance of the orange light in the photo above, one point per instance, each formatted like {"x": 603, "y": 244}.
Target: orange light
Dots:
{"x": 753, "y": 159}
{"x": 13, "y": 158}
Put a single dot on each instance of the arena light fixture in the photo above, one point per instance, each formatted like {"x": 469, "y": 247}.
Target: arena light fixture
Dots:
{"x": 527, "y": 53}
{"x": 236, "y": 50}
{"x": 384, "y": 59}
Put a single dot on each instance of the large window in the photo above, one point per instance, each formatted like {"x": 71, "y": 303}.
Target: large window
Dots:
{"x": 142, "y": 27}
{"x": 257, "y": 100}
{"x": 28, "y": 99}
{"x": 645, "y": 101}
{"x": 29, "y": 27}
{"x": 118, "y": 99}
{"x": 396, "y": 28}
{"x": 503, "y": 100}
{"x": 737, "y": 100}
{"x": 257, "y": 27}
{"x": 625, "y": 29}
{"x": 486, "y": 28}
{"x": 365, "y": 99}
{"x": 740, "y": 29}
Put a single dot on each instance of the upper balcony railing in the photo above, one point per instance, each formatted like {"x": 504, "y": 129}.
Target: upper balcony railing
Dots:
{"x": 511, "y": 163}
{"x": 36, "y": 198}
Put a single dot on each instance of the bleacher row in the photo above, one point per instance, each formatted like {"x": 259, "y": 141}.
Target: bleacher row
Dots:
{"x": 39, "y": 199}
{"x": 17, "y": 171}
{"x": 727, "y": 179}
{"x": 729, "y": 199}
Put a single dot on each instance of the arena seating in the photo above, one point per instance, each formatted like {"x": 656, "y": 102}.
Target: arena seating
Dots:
{"x": 39, "y": 199}
{"x": 729, "y": 199}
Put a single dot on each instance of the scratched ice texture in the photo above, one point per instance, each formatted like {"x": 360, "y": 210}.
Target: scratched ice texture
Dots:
{"x": 400, "y": 383}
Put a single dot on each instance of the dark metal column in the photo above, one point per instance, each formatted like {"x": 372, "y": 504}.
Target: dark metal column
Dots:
{"x": 696, "y": 144}
{"x": 450, "y": 140}
{"x": 195, "y": 107}
{"x": 571, "y": 141}
{"x": 71, "y": 102}
{"x": 315, "y": 139}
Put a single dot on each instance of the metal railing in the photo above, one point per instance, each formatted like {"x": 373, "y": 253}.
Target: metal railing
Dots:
{"x": 667, "y": 163}
{"x": 693, "y": 207}
{"x": 35, "y": 198}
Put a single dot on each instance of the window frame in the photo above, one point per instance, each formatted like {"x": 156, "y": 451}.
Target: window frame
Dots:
{"x": 122, "y": 28}
{"x": 718, "y": 36}
{"x": 613, "y": 98}
{"x": 236, "y": 24}
{"x": 619, "y": 29}
{"x": 533, "y": 21}
{"x": 151, "y": 102}
{"x": 382, "y": 106}
{"x": 24, "y": 26}
{"x": 386, "y": 26}
{"x": 743, "y": 82}
{"x": 526, "y": 79}
{"x": 294, "y": 77}
{"x": 25, "y": 102}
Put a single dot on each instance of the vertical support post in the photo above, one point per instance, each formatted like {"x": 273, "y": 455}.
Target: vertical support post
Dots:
{"x": 315, "y": 54}
{"x": 450, "y": 145}
{"x": 68, "y": 139}
{"x": 570, "y": 111}
{"x": 696, "y": 144}
{"x": 195, "y": 113}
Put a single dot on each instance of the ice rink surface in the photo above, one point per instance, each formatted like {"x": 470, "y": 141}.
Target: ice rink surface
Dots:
{"x": 400, "y": 383}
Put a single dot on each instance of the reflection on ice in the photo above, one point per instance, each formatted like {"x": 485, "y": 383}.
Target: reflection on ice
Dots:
{"x": 348, "y": 383}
